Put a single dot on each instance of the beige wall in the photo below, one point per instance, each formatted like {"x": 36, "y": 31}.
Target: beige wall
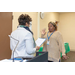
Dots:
{"x": 66, "y": 24}
{"x": 67, "y": 28}
{"x": 37, "y": 23}
{"x": 34, "y": 16}
{"x": 48, "y": 16}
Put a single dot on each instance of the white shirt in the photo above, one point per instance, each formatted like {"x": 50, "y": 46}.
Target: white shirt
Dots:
{"x": 25, "y": 46}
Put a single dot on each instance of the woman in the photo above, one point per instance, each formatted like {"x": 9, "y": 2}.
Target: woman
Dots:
{"x": 54, "y": 44}
{"x": 24, "y": 35}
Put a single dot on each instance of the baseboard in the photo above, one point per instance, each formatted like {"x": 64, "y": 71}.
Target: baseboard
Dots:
{"x": 72, "y": 50}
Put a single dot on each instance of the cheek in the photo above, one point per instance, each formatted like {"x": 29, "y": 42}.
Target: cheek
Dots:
{"x": 49, "y": 28}
{"x": 53, "y": 28}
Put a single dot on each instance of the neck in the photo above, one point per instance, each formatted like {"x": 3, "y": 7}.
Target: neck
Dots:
{"x": 23, "y": 26}
{"x": 51, "y": 31}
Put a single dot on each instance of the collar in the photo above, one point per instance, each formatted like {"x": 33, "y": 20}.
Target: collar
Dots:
{"x": 22, "y": 26}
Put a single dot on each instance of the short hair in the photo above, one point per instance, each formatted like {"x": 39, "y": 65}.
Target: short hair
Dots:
{"x": 54, "y": 24}
{"x": 23, "y": 19}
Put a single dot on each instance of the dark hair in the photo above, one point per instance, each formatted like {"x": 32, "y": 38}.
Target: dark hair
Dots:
{"x": 54, "y": 24}
{"x": 23, "y": 19}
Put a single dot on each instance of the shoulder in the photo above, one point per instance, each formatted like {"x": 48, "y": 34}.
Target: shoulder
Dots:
{"x": 57, "y": 32}
{"x": 21, "y": 32}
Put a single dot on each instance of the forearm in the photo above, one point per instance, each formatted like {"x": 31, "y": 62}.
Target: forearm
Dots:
{"x": 43, "y": 36}
{"x": 63, "y": 51}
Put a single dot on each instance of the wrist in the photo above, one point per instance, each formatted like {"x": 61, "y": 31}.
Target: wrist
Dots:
{"x": 42, "y": 34}
{"x": 63, "y": 54}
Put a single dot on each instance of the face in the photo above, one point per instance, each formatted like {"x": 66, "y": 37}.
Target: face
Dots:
{"x": 51, "y": 28}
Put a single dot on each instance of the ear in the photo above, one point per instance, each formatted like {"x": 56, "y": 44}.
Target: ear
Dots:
{"x": 27, "y": 24}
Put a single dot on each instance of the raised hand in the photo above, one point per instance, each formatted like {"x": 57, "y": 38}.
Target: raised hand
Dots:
{"x": 43, "y": 32}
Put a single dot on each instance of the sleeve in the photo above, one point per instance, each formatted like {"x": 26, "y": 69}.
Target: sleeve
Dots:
{"x": 29, "y": 44}
{"x": 61, "y": 44}
{"x": 44, "y": 47}
{"x": 43, "y": 36}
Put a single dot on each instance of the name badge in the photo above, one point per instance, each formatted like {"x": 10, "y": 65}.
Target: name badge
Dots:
{"x": 48, "y": 42}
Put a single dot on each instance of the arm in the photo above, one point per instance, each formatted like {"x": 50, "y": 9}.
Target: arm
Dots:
{"x": 29, "y": 44}
{"x": 61, "y": 44}
{"x": 43, "y": 33}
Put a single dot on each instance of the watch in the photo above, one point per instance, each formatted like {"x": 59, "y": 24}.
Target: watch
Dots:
{"x": 41, "y": 15}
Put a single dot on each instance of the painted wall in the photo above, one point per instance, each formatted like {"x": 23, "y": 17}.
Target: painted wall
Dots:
{"x": 67, "y": 28}
{"x": 48, "y": 16}
{"x": 37, "y": 23}
{"x": 33, "y": 15}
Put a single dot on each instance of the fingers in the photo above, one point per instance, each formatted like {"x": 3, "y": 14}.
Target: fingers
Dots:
{"x": 37, "y": 47}
{"x": 65, "y": 57}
